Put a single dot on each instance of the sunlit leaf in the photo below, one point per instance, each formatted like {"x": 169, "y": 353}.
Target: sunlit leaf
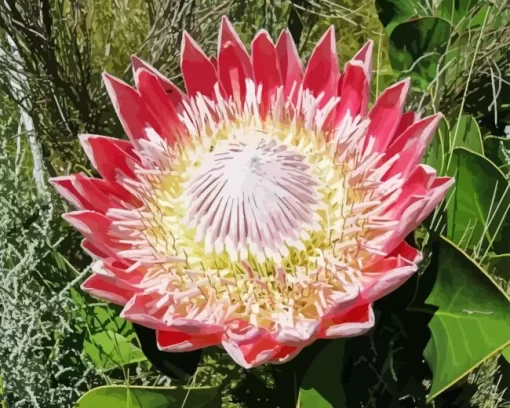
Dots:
{"x": 109, "y": 350}
{"x": 466, "y": 133}
{"x": 435, "y": 153}
{"x": 479, "y": 203}
{"x": 471, "y": 323}
{"x": 119, "y": 396}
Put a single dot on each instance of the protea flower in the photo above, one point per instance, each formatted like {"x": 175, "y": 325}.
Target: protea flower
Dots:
{"x": 261, "y": 210}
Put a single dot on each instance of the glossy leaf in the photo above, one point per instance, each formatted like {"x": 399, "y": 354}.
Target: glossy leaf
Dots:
{"x": 119, "y": 396}
{"x": 322, "y": 384}
{"x": 435, "y": 153}
{"x": 416, "y": 47}
{"x": 109, "y": 350}
{"x": 471, "y": 323}
{"x": 506, "y": 354}
{"x": 466, "y": 133}
{"x": 393, "y": 12}
{"x": 459, "y": 13}
{"x": 478, "y": 205}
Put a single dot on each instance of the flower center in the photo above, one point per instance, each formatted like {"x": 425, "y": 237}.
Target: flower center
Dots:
{"x": 251, "y": 196}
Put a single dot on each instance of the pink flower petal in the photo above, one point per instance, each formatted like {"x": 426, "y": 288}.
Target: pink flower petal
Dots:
{"x": 175, "y": 341}
{"x": 364, "y": 55}
{"x": 214, "y": 61}
{"x": 142, "y": 309}
{"x": 285, "y": 354}
{"x": 265, "y": 69}
{"x": 64, "y": 186}
{"x": 161, "y": 106}
{"x": 105, "y": 288}
{"x": 232, "y": 73}
{"x": 93, "y": 250}
{"x": 119, "y": 269}
{"x": 228, "y": 36}
{"x": 290, "y": 64}
{"x": 354, "y": 92}
{"x": 95, "y": 227}
{"x": 248, "y": 345}
{"x": 112, "y": 158}
{"x": 131, "y": 110}
{"x": 437, "y": 192}
{"x": 394, "y": 271}
{"x": 173, "y": 92}
{"x": 385, "y": 115}
{"x": 406, "y": 120}
{"x": 198, "y": 71}
{"x": 321, "y": 74}
{"x": 97, "y": 192}
{"x": 415, "y": 187}
{"x": 356, "y": 321}
{"x": 416, "y": 135}
{"x": 301, "y": 332}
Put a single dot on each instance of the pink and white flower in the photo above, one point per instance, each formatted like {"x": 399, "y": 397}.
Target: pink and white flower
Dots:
{"x": 261, "y": 210}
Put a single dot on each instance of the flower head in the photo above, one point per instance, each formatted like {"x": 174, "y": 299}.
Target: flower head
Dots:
{"x": 264, "y": 208}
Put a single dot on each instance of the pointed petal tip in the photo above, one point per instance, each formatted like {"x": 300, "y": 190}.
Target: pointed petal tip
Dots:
{"x": 84, "y": 137}
{"x": 135, "y": 61}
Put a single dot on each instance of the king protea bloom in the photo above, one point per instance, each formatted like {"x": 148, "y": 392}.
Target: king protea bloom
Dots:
{"x": 261, "y": 210}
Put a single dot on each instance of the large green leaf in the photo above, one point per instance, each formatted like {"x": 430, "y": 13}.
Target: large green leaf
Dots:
{"x": 459, "y": 13}
{"x": 466, "y": 133}
{"x": 506, "y": 354}
{"x": 417, "y": 46}
{"x": 393, "y": 12}
{"x": 109, "y": 350}
{"x": 436, "y": 149}
{"x": 472, "y": 322}
{"x": 119, "y": 396}
{"x": 322, "y": 383}
{"x": 478, "y": 205}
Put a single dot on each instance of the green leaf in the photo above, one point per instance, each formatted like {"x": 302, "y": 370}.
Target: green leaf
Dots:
{"x": 459, "y": 13}
{"x": 393, "y": 12}
{"x": 478, "y": 205}
{"x": 416, "y": 47}
{"x": 506, "y": 354}
{"x": 466, "y": 133}
{"x": 119, "y": 396}
{"x": 322, "y": 384}
{"x": 105, "y": 317}
{"x": 109, "y": 350}
{"x": 435, "y": 153}
{"x": 471, "y": 323}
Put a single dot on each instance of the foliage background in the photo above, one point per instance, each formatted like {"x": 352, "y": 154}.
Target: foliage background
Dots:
{"x": 56, "y": 343}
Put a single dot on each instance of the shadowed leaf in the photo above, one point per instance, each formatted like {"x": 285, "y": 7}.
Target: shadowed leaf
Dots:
{"x": 416, "y": 47}
{"x": 179, "y": 366}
